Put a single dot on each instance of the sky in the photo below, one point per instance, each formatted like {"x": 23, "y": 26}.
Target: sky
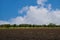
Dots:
{"x": 29, "y": 11}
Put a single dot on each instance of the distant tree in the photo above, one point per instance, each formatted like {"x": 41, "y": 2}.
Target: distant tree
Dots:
{"x": 6, "y": 25}
{"x": 1, "y": 25}
{"x": 29, "y": 25}
{"x": 51, "y": 25}
{"x": 14, "y": 25}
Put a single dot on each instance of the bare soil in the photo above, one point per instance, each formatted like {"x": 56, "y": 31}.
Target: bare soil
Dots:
{"x": 29, "y": 34}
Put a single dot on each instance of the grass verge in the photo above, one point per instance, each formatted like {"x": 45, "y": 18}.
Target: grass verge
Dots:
{"x": 30, "y": 28}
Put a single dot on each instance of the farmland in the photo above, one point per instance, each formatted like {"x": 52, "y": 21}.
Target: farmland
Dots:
{"x": 30, "y": 33}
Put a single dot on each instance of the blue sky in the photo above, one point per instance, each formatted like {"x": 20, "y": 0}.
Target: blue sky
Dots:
{"x": 9, "y": 8}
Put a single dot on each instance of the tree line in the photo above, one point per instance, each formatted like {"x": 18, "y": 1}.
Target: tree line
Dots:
{"x": 29, "y": 25}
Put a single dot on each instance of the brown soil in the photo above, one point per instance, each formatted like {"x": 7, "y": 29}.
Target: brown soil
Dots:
{"x": 29, "y": 34}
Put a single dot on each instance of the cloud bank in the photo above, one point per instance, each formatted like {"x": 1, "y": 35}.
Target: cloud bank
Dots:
{"x": 36, "y": 15}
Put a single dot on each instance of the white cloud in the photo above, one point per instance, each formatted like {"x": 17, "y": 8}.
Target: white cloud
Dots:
{"x": 49, "y": 7}
{"x": 37, "y": 15}
{"x": 17, "y": 20}
{"x": 24, "y": 9}
{"x": 56, "y": 17}
{"x": 41, "y": 2}
{"x": 4, "y": 22}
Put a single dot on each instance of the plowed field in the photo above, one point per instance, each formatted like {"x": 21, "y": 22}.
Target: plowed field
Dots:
{"x": 30, "y": 34}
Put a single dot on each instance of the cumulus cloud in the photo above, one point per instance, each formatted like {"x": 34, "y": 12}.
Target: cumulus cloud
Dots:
{"x": 37, "y": 15}
{"x": 17, "y": 20}
{"x": 4, "y": 22}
